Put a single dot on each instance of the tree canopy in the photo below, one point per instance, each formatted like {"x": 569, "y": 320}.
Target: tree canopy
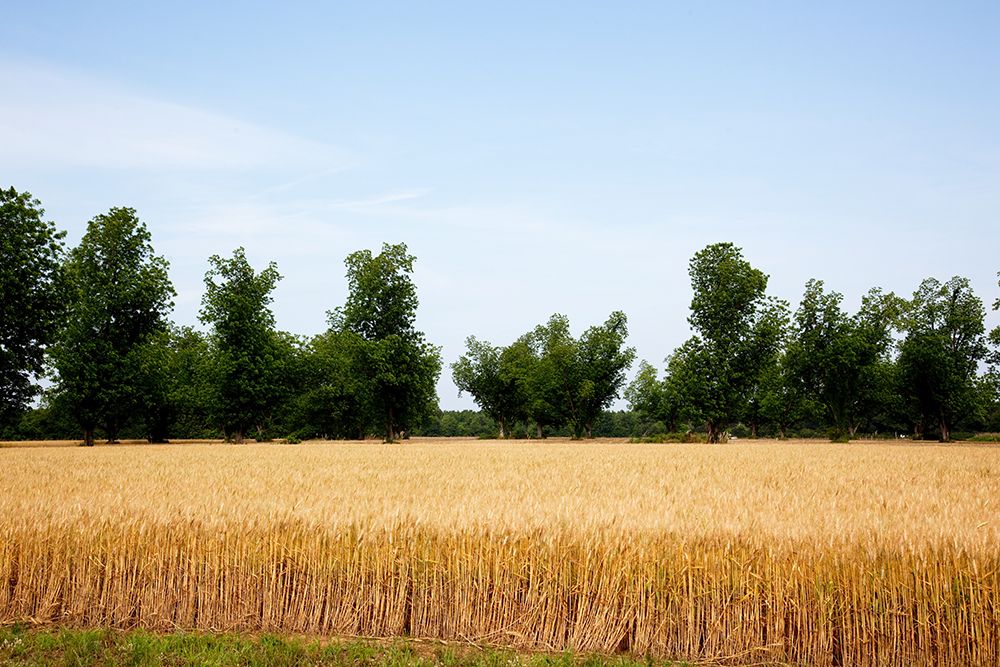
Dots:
{"x": 247, "y": 355}
{"x": 938, "y": 359}
{"x": 31, "y": 296}
{"x": 738, "y": 332}
{"x": 119, "y": 298}
{"x": 378, "y": 319}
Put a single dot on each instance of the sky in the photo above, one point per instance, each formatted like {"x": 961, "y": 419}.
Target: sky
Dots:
{"x": 535, "y": 157}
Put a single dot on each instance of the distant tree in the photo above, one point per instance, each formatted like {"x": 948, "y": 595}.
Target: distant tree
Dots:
{"x": 782, "y": 401}
{"x": 569, "y": 382}
{"x": 31, "y": 296}
{"x": 246, "y": 346}
{"x": 120, "y": 295}
{"x": 491, "y": 376}
{"x": 995, "y": 339}
{"x": 835, "y": 358}
{"x": 738, "y": 331}
{"x": 939, "y": 357}
{"x": 524, "y": 359}
{"x": 154, "y": 405}
{"x": 603, "y": 360}
{"x": 554, "y": 375}
{"x": 400, "y": 367}
{"x": 191, "y": 386}
{"x": 645, "y": 394}
{"x": 333, "y": 401}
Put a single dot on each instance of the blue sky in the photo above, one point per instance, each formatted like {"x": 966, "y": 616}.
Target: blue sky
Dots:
{"x": 535, "y": 157}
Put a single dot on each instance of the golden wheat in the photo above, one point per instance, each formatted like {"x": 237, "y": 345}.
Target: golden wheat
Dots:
{"x": 746, "y": 552}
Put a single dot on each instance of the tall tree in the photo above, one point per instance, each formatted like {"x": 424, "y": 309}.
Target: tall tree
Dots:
{"x": 246, "y": 346}
{"x": 401, "y": 368}
{"x": 190, "y": 385}
{"x": 738, "y": 331}
{"x": 939, "y": 357}
{"x": 31, "y": 296}
{"x": 995, "y": 340}
{"x": 333, "y": 402}
{"x": 120, "y": 295}
{"x": 554, "y": 374}
{"x": 835, "y": 357}
{"x": 646, "y": 394}
{"x": 491, "y": 376}
{"x": 603, "y": 360}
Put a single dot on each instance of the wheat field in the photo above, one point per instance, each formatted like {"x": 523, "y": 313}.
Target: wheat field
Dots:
{"x": 748, "y": 552}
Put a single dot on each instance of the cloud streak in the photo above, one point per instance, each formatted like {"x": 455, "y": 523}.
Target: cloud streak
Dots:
{"x": 55, "y": 119}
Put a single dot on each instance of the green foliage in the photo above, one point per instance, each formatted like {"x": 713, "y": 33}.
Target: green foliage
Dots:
{"x": 31, "y": 296}
{"x": 938, "y": 359}
{"x": 836, "y": 360}
{"x": 448, "y": 423}
{"x": 603, "y": 360}
{"x": 247, "y": 349}
{"x": 569, "y": 381}
{"x": 493, "y": 377}
{"x": 332, "y": 399}
{"x": 119, "y": 297}
{"x": 547, "y": 376}
{"x": 675, "y": 437}
{"x": 738, "y": 332}
{"x": 387, "y": 352}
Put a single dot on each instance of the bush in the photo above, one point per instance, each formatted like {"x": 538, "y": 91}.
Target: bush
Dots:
{"x": 671, "y": 437}
{"x": 739, "y": 431}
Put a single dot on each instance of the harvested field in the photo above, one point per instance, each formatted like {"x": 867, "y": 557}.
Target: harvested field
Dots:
{"x": 808, "y": 553}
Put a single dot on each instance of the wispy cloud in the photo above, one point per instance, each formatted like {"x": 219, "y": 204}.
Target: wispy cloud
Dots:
{"x": 55, "y": 118}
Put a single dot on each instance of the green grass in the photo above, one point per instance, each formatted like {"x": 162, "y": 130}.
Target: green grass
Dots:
{"x": 24, "y": 646}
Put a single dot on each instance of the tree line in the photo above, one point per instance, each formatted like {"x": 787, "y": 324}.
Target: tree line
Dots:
{"x": 95, "y": 320}
{"x": 898, "y": 365}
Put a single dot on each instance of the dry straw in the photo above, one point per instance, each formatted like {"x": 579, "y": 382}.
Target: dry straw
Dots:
{"x": 812, "y": 554}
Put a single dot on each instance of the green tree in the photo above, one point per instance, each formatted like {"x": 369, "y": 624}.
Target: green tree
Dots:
{"x": 738, "y": 331}
{"x": 939, "y": 357}
{"x": 333, "y": 400}
{"x": 190, "y": 385}
{"x": 247, "y": 353}
{"x": 835, "y": 358}
{"x": 120, "y": 295}
{"x": 660, "y": 402}
{"x": 646, "y": 393}
{"x": 994, "y": 357}
{"x": 602, "y": 361}
{"x": 491, "y": 376}
{"x": 569, "y": 382}
{"x": 782, "y": 402}
{"x": 553, "y": 374}
{"x": 31, "y": 297}
{"x": 399, "y": 366}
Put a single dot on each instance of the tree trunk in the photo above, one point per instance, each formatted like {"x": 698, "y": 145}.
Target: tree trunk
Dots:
{"x": 753, "y": 430}
{"x": 88, "y": 437}
{"x": 238, "y": 436}
{"x": 713, "y": 435}
{"x": 390, "y": 425}
{"x": 112, "y": 431}
{"x": 945, "y": 431}
{"x": 538, "y": 430}
{"x": 590, "y": 431}
{"x": 502, "y": 432}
